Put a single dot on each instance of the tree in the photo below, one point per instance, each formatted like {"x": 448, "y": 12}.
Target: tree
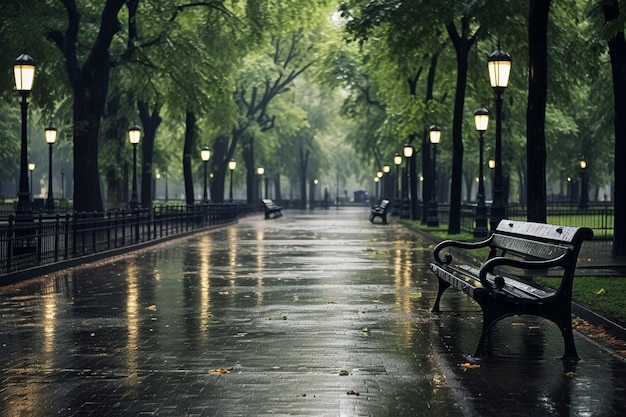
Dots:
{"x": 536, "y": 110}
{"x": 617, "y": 51}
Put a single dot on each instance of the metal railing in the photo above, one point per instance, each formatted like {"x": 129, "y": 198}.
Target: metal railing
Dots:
{"x": 47, "y": 239}
{"x": 597, "y": 217}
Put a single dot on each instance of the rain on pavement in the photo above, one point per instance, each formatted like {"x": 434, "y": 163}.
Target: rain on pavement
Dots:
{"x": 317, "y": 313}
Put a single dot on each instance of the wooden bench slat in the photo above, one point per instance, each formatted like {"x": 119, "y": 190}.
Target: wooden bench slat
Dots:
{"x": 529, "y": 247}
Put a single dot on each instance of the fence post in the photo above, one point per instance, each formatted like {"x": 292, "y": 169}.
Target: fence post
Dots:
{"x": 38, "y": 233}
{"x": 10, "y": 242}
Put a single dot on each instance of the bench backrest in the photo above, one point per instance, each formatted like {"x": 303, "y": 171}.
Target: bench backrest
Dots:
{"x": 267, "y": 202}
{"x": 384, "y": 204}
{"x": 538, "y": 240}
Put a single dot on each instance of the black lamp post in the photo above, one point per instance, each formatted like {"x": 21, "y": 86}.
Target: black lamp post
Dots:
{"x": 376, "y": 181}
{"x": 51, "y": 137}
{"x": 408, "y": 152}
{"x": 433, "y": 215}
{"x": 499, "y": 64}
{"x": 481, "y": 120}
{"x": 31, "y": 168}
{"x": 385, "y": 179}
{"x": 260, "y": 171}
{"x": 24, "y": 75}
{"x": 397, "y": 161}
{"x": 232, "y": 164}
{"x": 379, "y": 182}
{"x": 205, "y": 155}
{"x": 584, "y": 192}
{"x": 134, "y": 135}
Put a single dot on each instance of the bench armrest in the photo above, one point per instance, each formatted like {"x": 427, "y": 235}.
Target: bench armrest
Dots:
{"x": 457, "y": 244}
{"x": 491, "y": 264}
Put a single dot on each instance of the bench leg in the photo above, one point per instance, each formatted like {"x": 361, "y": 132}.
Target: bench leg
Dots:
{"x": 568, "y": 339}
{"x": 443, "y": 285}
{"x": 384, "y": 217}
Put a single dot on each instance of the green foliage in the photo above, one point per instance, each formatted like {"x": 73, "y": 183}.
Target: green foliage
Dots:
{"x": 604, "y": 295}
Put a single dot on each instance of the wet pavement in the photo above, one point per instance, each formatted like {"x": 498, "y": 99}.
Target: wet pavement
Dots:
{"x": 312, "y": 314}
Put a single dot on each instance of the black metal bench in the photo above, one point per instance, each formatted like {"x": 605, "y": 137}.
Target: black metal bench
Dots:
{"x": 272, "y": 210}
{"x": 380, "y": 210}
{"x": 515, "y": 249}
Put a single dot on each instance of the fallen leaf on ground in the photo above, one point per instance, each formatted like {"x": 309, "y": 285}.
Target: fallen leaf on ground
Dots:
{"x": 468, "y": 365}
{"x": 353, "y": 392}
{"x": 151, "y": 308}
{"x": 220, "y": 371}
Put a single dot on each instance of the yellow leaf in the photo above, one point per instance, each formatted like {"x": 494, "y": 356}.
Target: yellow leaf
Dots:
{"x": 468, "y": 365}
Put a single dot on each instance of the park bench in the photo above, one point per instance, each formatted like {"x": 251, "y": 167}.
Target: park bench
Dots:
{"x": 380, "y": 210}
{"x": 271, "y": 209}
{"x": 516, "y": 249}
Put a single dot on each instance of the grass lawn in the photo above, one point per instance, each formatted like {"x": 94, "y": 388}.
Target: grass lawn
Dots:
{"x": 604, "y": 295}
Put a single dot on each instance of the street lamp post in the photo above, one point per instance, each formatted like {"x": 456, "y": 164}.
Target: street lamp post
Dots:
{"x": 51, "y": 137}
{"x": 134, "y": 135}
{"x": 481, "y": 120}
{"x": 397, "y": 161}
{"x": 584, "y": 192}
{"x": 433, "y": 215}
{"x": 24, "y": 75}
{"x": 260, "y": 171}
{"x": 409, "y": 151}
{"x": 232, "y": 164}
{"x": 31, "y": 168}
{"x": 376, "y": 181}
{"x": 386, "y": 170}
{"x": 499, "y": 65}
{"x": 205, "y": 155}
{"x": 379, "y": 183}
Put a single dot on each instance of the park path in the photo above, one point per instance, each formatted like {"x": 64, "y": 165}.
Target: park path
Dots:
{"x": 316, "y": 313}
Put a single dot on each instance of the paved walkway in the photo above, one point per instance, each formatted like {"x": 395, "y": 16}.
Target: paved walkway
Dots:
{"x": 311, "y": 314}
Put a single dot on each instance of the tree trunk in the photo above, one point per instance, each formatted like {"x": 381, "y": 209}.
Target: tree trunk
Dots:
{"x": 536, "y": 110}
{"x": 89, "y": 86}
{"x": 252, "y": 183}
{"x": 462, "y": 45}
{"x": 617, "y": 51}
{"x": 425, "y": 145}
{"x": 150, "y": 123}
{"x": 190, "y": 130}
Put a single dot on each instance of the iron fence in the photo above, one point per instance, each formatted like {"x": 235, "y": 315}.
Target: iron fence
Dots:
{"x": 47, "y": 239}
{"x": 597, "y": 217}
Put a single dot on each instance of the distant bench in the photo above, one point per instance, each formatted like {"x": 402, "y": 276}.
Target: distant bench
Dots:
{"x": 496, "y": 285}
{"x": 271, "y": 209}
{"x": 380, "y": 210}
